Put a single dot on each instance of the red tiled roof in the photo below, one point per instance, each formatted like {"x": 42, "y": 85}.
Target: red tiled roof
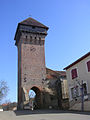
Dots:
{"x": 54, "y": 74}
{"x": 5, "y": 104}
{"x": 62, "y": 73}
{"x": 83, "y": 57}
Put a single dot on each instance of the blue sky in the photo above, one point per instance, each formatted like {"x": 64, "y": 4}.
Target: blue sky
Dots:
{"x": 68, "y": 35}
{"x": 32, "y": 94}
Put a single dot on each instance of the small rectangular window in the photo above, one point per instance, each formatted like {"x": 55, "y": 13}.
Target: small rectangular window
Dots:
{"x": 85, "y": 88}
{"x": 74, "y": 92}
{"x": 88, "y": 66}
{"x": 74, "y": 73}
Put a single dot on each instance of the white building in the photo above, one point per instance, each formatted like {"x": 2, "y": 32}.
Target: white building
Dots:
{"x": 78, "y": 73}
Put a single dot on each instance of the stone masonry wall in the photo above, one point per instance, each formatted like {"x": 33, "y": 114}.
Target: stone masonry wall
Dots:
{"x": 33, "y": 64}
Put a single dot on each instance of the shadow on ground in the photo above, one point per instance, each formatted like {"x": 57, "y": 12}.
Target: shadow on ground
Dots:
{"x": 29, "y": 112}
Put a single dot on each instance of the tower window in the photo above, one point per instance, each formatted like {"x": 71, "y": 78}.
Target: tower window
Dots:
{"x": 40, "y": 40}
{"x": 25, "y": 40}
{"x": 35, "y": 37}
{"x": 30, "y": 39}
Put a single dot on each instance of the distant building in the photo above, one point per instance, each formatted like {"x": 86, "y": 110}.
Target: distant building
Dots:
{"x": 78, "y": 76}
{"x": 56, "y": 86}
{"x": 62, "y": 75}
{"x": 9, "y": 106}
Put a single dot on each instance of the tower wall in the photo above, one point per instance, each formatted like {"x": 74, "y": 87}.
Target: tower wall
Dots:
{"x": 31, "y": 60}
{"x": 30, "y": 38}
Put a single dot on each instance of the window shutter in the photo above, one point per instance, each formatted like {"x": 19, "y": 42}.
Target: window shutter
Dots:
{"x": 88, "y": 66}
{"x": 74, "y": 73}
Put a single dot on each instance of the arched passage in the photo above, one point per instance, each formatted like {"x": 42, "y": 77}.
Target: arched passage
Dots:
{"x": 35, "y": 94}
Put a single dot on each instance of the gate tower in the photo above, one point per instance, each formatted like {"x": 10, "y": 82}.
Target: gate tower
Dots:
{"x": 29, "y": 39}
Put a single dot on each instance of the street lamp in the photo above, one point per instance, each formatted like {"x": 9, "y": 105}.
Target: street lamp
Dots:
{"x": 82, "y": 94}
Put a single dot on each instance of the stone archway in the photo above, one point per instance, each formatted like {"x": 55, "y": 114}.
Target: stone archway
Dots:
{"x": 37, "y": 97}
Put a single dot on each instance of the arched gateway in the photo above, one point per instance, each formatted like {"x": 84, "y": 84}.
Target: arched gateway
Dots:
{"x": 37, "y": 98}
{"x": 30, "y": 38}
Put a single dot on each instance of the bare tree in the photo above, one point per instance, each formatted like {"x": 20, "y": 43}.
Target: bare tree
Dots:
{"x": 3, "y": 89}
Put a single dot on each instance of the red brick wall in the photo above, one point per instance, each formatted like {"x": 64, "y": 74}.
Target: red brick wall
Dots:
{"x": 31, "y": 64}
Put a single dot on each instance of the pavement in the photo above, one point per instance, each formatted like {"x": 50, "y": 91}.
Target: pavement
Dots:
{"x": 44, "y": 115}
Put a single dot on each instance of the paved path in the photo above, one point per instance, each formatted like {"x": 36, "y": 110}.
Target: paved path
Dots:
{"x": 44, "y": 115}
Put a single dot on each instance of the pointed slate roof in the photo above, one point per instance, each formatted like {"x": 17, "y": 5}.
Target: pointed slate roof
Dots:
{"x": 29, "y": 22}
{"x": 32, "y": 22}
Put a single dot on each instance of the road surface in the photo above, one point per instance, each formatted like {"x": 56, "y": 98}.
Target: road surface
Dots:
{"x": 44, "y": 115}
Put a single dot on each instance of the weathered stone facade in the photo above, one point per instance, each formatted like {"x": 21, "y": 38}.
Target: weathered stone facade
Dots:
{"x": 78, "y": 83}
{"x": 56, "y": 89}
{"x": 30, "y": 39}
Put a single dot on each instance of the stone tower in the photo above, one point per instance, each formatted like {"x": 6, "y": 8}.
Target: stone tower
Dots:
{"x": 30, "y": 38}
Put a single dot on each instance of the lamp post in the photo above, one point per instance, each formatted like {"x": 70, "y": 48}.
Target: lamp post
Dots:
{"x": 82, "y": 94}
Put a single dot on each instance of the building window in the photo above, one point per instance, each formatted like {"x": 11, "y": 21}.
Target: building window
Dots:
{"x": 88, "y": 66}
{"x": 85, "y": 89}
{"x": 75, "y": 92}
{"x": 74, "y": 73}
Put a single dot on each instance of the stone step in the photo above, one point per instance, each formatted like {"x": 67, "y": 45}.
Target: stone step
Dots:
{"x": 77, "y": 106}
